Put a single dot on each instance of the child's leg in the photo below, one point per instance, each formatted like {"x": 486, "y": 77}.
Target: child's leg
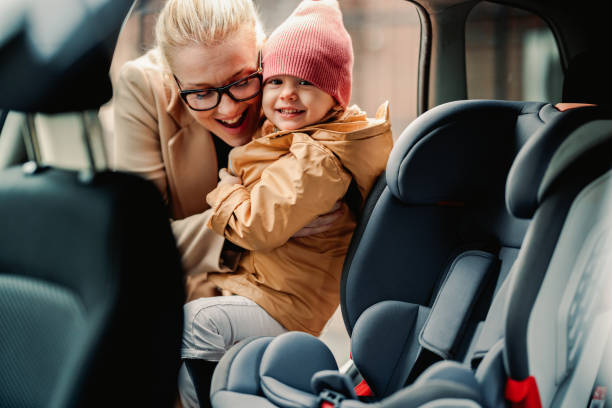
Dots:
{"x": 213, "y": 325}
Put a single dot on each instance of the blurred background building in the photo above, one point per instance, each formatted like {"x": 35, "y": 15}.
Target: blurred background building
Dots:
{"x": 385, "y": 37}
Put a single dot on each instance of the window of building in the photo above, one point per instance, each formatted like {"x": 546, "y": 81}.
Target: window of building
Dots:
{"x": 511, "y": 54}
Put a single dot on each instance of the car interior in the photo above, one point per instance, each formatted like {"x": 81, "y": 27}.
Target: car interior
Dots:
{"x": 478, "y": 274}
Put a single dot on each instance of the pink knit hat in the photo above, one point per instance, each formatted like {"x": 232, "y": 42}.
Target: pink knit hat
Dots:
{"x": 312, "y": 44}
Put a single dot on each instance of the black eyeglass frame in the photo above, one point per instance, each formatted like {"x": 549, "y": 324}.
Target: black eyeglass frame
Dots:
{"x": 223, "y": 89}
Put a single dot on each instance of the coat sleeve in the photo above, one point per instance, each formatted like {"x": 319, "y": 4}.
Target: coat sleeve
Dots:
{"x": 136, "y": 144}
{"x": 292, "y": 191}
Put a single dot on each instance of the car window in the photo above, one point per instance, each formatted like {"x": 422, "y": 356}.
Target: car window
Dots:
{"x": 511, "y": 54}
{"x": 386, "y": 38}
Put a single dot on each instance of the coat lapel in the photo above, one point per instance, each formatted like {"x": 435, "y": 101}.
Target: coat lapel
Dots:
{"x": 192, "y": 161}
{"x": 192, "y": 169}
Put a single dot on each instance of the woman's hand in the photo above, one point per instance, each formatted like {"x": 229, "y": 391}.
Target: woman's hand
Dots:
{"x": 322, "y": 223}
{"x": 226, "y": 178}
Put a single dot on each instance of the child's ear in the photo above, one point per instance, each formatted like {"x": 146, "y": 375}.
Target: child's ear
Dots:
{"x": 336, "y": 112}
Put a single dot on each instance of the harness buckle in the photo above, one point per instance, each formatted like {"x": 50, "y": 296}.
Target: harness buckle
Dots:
{"x": 330, "y": 399}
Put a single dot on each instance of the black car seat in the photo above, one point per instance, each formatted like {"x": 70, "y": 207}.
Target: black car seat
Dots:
{"x": 91, "y": 287}
{"x": 557, "y": 319}
{"x": 556, "y": 316}
{"x": 430, "y": 252}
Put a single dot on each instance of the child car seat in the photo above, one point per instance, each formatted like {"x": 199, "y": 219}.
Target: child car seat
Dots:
{"x": 557, "y": 319}
{"x": 422, "y": 269}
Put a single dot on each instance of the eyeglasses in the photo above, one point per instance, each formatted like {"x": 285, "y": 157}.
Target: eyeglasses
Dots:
{"x": 241, "y": 90}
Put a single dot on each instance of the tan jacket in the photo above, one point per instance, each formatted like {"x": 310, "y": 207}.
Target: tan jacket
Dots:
{"x": 289, "y": 178}
{"x": 156, "y": 137}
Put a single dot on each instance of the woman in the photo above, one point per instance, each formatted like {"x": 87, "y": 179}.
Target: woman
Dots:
{"x": 200, "y": 44}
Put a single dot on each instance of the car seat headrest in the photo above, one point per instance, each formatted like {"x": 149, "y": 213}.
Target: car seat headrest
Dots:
{"x": 459, "y": 151}
{"x": 587, "y": 78}
{"x": 56, "y": 54}
{"x": 525, "y": 180}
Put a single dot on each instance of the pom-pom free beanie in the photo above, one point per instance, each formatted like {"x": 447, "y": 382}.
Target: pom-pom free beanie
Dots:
{"x": 312, "y": 44}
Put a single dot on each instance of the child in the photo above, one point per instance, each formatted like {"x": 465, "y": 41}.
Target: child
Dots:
{"x": 308, "y": 154}
{"x": 310, "y": 150}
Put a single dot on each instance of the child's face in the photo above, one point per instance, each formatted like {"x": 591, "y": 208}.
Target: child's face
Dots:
{"x": 292, "y": 103}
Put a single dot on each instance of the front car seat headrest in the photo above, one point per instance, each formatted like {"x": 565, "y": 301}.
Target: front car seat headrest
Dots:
{"x": 457, "y": 151}
{"x": 56, "y": 54}
{"x": 526, "y": 180}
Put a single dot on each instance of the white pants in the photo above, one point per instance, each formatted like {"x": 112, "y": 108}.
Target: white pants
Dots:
{"x": 212, "y": 326}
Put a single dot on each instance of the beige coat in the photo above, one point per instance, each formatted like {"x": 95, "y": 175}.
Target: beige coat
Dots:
{"x": 156, "y": 137}
{"x": 289, "y": 178}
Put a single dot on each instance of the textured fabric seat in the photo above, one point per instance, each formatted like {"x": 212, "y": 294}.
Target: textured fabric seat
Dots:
{"x": 432, "y": 247}
{"x": 90, "y": 292}
{"x": 91, "y": 286}
{"x": 557, "y": 346}
{"x": 558, "y": 320}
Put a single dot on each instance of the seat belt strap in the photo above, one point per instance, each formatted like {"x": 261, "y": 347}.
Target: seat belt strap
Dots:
{"x": 523, "y": 394}
{"x": 363, "y": 389}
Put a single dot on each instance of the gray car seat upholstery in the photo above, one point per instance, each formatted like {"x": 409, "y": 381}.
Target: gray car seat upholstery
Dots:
{"x": 556, "y": 319}
{"x": 557, "y": 323}
{"x": 91, "y": 285}
{"x": 557, "y": 346}
{"x": 438, "y": 234}
{"x": 91, "y": 292}
{"x": 436, "y": 245}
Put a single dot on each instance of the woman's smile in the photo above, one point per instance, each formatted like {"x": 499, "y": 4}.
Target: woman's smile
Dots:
{"x": 232, "y": 121}
{"x": 235, "y": 122}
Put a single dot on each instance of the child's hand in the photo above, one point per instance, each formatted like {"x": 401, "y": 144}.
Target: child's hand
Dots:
{"x": 322, "y": 223}
{"x": 226, "y": 178}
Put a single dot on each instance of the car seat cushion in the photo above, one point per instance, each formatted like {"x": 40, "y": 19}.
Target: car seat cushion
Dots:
{"x": 230, "y": 399}
{"x": 288, "y": 365}
{"x": 384, "y": 351}
{"x": 48, "y": 323}
{"x": 466, "y": 278}
{"x": 524, "y": 182}
{"x": 238, "y": 370}
{"x": 588, "y": 136}
{"x": 445, "y": 157}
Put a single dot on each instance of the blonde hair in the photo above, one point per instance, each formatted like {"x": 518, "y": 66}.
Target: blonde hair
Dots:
{"x": 207, "y": 22}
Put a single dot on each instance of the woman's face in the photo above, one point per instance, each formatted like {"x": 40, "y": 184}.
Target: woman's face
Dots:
{"x": 198, "y": 67}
